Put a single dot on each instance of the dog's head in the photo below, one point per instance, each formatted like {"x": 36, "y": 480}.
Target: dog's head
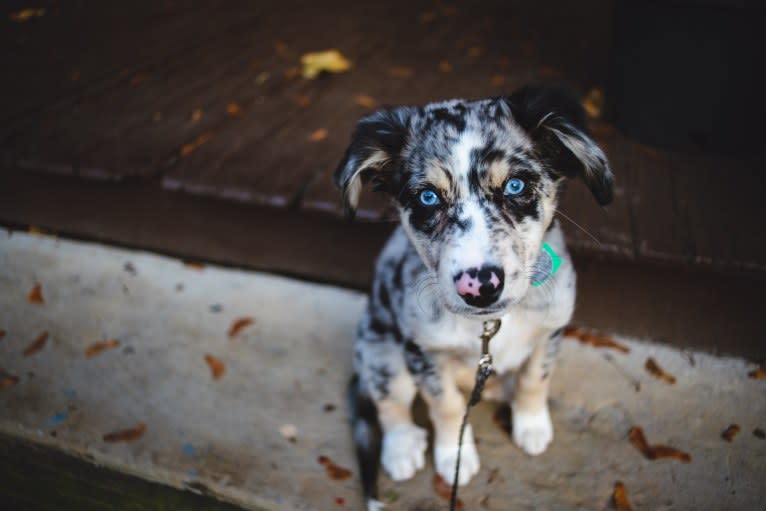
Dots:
{"x": 476, "y": 184}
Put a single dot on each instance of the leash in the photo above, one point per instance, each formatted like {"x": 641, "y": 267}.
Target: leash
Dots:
{"x": 483, "y": 372}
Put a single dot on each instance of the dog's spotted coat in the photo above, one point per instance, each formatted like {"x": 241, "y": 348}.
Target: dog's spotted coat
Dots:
{"x": 447, "y": 168}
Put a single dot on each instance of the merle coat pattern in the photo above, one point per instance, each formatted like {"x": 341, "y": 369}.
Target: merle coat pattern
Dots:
{"x": 465, "y": 252}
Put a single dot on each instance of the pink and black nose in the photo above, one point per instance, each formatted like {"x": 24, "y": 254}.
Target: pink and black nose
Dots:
{"x": 480, "y": 287}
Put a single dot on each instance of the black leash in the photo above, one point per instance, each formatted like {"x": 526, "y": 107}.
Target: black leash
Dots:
{"x": 483, "y": 372}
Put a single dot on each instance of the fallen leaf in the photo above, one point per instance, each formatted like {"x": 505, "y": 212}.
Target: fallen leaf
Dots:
{"x": 365, "y": 101}
{"x": 196, "y": 115}
{"x": 201, "y": 139}
{"x": 493, "y": 475}
{"x": 730, "y": 432}
{"x": 655, "y": 452}
{"x": 445, "y": 66}
{"x": 26, "y": 14}
{"x": 334, "y": 472}
{"x": 758, "y": 374}
{"x": 426, "y": 17}
{"x": 262, "y": 78}
{"x": 340, "y": 501}
{"x": 318, "y": 135}
{"x": 302, "y": 100}
{"x": 37, "y": 344}
{"x": 621, "y": 497}
{"x": 8, "y": 381}
{"x": 126, "y": 435}
{"x": 596, "y": 340}
{"x": 238, "y": 325}
{"x": 97, "y": 347}
{"x": 656, "y": 371}
{"x": 216, "y": 367}
{"x": 293, "y": 72}
{"x": 137, "y": 79}
{"x": 443, "y": 489}
{"x": 330, "y": 61}
{"x": 36, "y": 295}
{"x": 194, "y": 265}
{"x": 401, "y": 72}
{"x": 594, "y": 103}
{"x": 475, "y": 51}
{"x": 497, "y": 80}
{"x": 233, "y": 109}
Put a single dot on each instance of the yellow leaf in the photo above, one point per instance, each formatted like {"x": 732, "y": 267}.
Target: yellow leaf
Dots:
{"x": 331, "y": 61}
{"x": 26, "y": 14}
{"x": 318, "y": 135}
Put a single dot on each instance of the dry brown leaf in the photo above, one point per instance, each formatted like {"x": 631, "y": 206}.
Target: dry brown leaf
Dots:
{"x": 293, "y": 72}
{"x": 137, "y": 79}
{"x": 655, "y": 452}
{"x": 302, "y": 100}
{"x": 201, "y": 139}
{"x": 426, "y": 17}
{"x": 37, "y": 344}
{"x": 97, "y": 347}
{"x": 401, "y": 72}
{"x": 26, "y": 14}
{"x": 238, "y": 325}
{"x": 8, "y": 380}
{"x": 318, "y": 135}
{"x": 216, "y": 366}
{"x": 36, "y": 295}
{"x": 594, "y": 103}
{"x": 758, "y": 374}
{"x": 621, "y": 497}
{"x": 334, "y": 472}
{"x": 443, "y": 489}
{"x": 445, "y": 66}
{"x": 365, "y": 101}
{"x": 475, "y": 51}
{"x": 233, "y": 109}
{"x": 497, "y": 80}
{"x": 330, "y": 61}
{"x": 655, "y": 370}
{"x": 194, "y": 265}
{"x": 196, "y": 115}
{"x": 126, "y": 435}
{"x": 730, "y": 432}
{"x": 596, "y": 340}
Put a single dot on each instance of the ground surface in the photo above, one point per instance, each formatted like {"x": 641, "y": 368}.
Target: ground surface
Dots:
{"x": 290, "y": 367}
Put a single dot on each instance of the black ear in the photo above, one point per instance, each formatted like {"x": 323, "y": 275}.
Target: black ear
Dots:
{"x": 374, "y": 152}
{"x": 556, "y": 123}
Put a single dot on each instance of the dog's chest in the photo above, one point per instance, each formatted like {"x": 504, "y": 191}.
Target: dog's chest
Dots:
{"x": 459, "y": 337}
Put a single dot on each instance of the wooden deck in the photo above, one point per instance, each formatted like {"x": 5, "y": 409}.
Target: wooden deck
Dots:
{"x": 205, "y": 97}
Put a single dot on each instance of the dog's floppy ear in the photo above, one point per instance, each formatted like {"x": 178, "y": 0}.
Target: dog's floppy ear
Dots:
{"x": 374, "y": 152}
{"x": 556, "y": 123}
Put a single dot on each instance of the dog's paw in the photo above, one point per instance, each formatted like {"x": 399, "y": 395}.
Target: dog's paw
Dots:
{"x": 445, "y": 459}
{"x": 532, "y": 431}
{"x": 404, "y": 450}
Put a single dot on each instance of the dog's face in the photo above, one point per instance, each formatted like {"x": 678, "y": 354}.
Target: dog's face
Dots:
{"x": 476, "y": 184}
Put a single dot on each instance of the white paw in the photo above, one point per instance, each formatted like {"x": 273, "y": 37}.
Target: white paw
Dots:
{"x": 404, "y": 450}
{"x": 445, "y": 459}
{"x": 532, "y": 431}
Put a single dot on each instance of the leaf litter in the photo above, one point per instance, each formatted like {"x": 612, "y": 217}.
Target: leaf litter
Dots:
{"x": 655, "y": 452}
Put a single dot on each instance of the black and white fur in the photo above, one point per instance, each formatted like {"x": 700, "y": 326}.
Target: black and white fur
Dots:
{"x": 417, "y": 334}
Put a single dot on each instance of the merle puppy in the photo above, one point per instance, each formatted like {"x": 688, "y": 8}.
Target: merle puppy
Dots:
{"x": 476, "y": 184}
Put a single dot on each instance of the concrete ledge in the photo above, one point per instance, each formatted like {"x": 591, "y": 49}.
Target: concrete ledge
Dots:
{"x": 291, "y": 366}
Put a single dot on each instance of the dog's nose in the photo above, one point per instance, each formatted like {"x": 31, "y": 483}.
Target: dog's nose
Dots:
{"x": 480, "y": 287}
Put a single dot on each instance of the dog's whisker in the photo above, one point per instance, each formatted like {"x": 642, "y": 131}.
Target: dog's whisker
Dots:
{"x": 591, "y": 236}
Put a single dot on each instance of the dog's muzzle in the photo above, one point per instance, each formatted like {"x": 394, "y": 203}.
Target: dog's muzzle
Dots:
{"x": 480, "y": 287}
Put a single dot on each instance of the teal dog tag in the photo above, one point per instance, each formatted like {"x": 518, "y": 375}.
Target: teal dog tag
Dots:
{"x": 546, "y": 266}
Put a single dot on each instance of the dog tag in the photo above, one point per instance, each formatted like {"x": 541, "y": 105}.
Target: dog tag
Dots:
{"x": 546, "y": 266}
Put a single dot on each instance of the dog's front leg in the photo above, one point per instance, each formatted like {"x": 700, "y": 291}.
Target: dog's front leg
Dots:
{"x": 446, "y": 406}
{"x": 532, "y": 426}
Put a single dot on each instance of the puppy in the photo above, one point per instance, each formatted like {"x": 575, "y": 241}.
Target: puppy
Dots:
{"x": 476, "y": 185}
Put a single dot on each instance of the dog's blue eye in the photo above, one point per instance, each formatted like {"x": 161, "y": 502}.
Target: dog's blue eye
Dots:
{"x": 429, "y": 198}
{"x": 514, "y": 186}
